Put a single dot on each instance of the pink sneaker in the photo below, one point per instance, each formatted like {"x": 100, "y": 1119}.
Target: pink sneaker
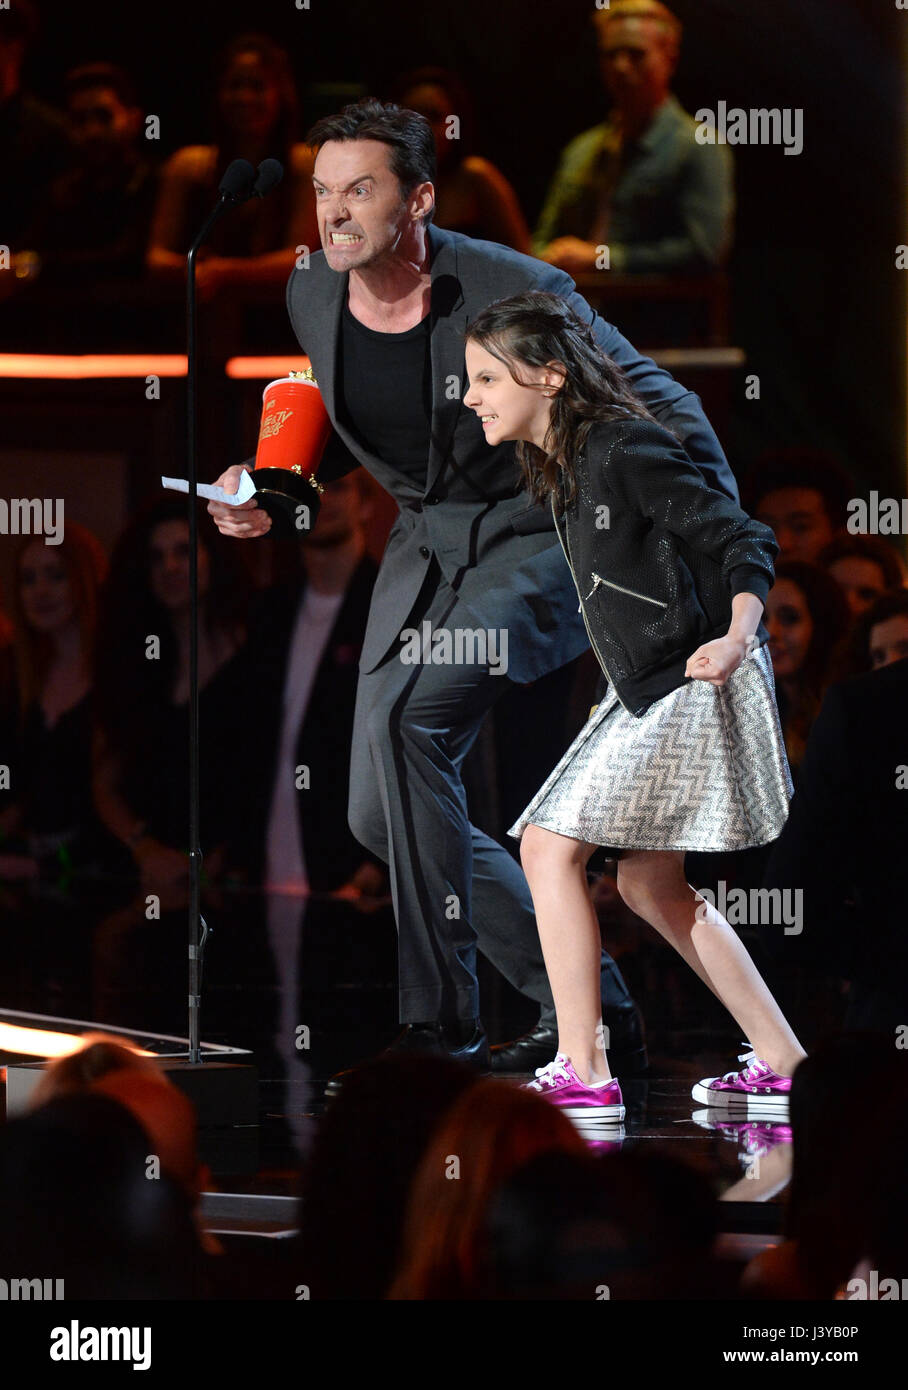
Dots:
{"x": 560, "y": 1084}
{"x": 757, "y": 1089}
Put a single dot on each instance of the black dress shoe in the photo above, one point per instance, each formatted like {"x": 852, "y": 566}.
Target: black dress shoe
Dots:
{"x": 626, "y": 1054}
{"x": 432, "y": 1038}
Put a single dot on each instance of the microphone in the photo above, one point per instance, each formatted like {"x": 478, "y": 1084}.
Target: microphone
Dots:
{"x": 269, "y": 176}
{"x": 237, "y": 182}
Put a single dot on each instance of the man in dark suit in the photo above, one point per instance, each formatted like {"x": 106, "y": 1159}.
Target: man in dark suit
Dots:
{"x": 844, "y": 846}
{"x": 381, "y": 312}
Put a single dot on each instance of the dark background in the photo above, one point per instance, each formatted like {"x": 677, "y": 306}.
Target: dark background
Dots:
{"x": 818, "y": 305}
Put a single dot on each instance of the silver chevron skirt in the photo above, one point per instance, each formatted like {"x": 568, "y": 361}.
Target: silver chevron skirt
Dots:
{"x": 703, "y": 769}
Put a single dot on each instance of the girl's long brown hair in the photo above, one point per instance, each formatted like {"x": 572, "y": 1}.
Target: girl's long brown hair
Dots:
{"x": 534, "y": 329}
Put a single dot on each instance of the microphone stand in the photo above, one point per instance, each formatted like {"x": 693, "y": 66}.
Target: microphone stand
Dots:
{"x": 236, "y": 186}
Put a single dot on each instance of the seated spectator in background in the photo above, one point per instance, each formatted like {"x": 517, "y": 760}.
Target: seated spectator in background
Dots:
{"x": 566, "y": 1226}
{"x": 93, "y": 224}
{"x": 490, "y": 1132}
{"x": 640, "y": 183}
{"x": 107, "y": 1065}
{"x": 76, "y": 1204}
{"x": 140, "y": 753}
{"x": 803, "y": 495}
{"x": 807, "y": 619}
{"x": 471, "y": 195}
{"x": 33, "y": 144}
{"x": 48, "y": 811}
{"x": 881, "y": 632}
{"x": 304, "y": 649}
{"x": 864, "y": 567}
{"x": 255, "y": 119}
{"x": 97, "y": 1056}
{"x": 844, "y": 845}
{"x": 353, "y": 1194}
{"x": 846, "y": 1178}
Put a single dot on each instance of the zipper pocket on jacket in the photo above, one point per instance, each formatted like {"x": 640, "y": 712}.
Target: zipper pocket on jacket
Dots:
{"x": 597, "y": 579}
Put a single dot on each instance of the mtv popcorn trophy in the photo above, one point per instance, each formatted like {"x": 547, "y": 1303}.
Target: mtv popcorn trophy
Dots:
{"x": 294, "y": 431}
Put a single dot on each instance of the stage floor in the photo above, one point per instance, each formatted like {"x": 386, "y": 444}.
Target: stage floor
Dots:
{"x": 309, "y": 987}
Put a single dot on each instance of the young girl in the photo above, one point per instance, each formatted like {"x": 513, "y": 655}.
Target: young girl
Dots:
{"x": 684, "y": 750}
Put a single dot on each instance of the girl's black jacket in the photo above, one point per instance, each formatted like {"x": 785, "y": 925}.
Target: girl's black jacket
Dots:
{"x": 657, "y": 556}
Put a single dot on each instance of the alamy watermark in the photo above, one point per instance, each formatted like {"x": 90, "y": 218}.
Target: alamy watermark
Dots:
{"x": 459, "y": 646}
{"x": 749, "y": 906}
{"x": 877, "y": 516}
{"x": 33, "y": 516}
{"x": 30, "y": 1290}
{"x": 755, "y": 125}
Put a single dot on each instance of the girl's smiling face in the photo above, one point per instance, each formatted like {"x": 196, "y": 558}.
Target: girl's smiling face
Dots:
{"x": 510, "y": 409}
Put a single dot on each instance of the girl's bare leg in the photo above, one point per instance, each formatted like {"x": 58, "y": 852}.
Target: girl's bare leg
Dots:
{"x": 555, "y": 866}
{"x": 653, "y": 885}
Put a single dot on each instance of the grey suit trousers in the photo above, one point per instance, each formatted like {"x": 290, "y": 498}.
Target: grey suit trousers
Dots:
{"x": 454, "y": 888}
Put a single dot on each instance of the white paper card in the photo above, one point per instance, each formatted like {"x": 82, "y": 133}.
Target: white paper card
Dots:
{"x": 216, "y": 494}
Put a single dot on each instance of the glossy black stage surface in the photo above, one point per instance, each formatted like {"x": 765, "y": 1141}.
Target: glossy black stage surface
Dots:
{"x": 308, "y": 985}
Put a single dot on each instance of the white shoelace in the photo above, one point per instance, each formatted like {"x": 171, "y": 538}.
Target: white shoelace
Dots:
{"x": 551, "y": 1074}
{"x": 747, "y": 1073}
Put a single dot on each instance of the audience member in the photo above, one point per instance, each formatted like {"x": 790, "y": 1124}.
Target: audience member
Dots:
{"x": 471, "y": 195}
{"x": 77, "y": 1204}
{"x": 140, "y": 754}
{"x": 836, "y": 1202}
{"x": 48, "y": 810}
{"x": 881, "y": 632}
{"x": 93, "y": 224}
{"x": 107, "y": 1065}
{"x": 256, "y": 118}
{"x": 630, "y": 1225}
{"x": 864, "y": 567}
{"x": 640, "y": 183}
{"x": 304, "y": 648}
{"x": 483, "y": 1140}
{"x": 843, "y": 848}
{"x": 354, "y": 1193}
{"x": 97, "y": 1056}
{"x": 807, "y": 620}
{"x": 803, "y": 495}
{"x": 33, "y": 144}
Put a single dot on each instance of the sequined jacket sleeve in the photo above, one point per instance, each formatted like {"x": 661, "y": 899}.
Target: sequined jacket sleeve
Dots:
{"x": 652, "y": 473}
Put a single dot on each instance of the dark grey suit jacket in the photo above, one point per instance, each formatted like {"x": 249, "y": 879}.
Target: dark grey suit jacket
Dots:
{"x": 499, "y": 550}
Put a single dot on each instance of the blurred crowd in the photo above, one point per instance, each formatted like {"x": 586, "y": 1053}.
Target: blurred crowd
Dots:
{"x": 94, "y": 203}
{"x": 465, "y": 1188}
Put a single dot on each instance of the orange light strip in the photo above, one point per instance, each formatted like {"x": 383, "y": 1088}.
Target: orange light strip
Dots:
{"x": 263, "y": 368}
{"x": 41, "y": 1042}
{"x": 46, "y": 366}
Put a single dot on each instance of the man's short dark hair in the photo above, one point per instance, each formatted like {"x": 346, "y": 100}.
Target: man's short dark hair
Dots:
{"x": 407, "y": 134}
{"x": 107, "y": 75}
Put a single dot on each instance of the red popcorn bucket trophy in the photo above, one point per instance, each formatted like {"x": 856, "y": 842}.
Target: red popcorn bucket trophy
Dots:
{"x": 294, "y": 431}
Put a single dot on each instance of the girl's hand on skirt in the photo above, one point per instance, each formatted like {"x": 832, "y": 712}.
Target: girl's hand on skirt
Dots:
{"x": 715, "y": 661}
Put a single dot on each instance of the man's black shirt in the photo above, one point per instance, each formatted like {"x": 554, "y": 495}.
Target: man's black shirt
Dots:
{"x": 385, "y": 392}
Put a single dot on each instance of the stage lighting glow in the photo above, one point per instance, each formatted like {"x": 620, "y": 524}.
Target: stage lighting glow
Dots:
{"x": 42, "y": 1042}
{"x": 48, "y": 366}
{"x": 263, "y": 368}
